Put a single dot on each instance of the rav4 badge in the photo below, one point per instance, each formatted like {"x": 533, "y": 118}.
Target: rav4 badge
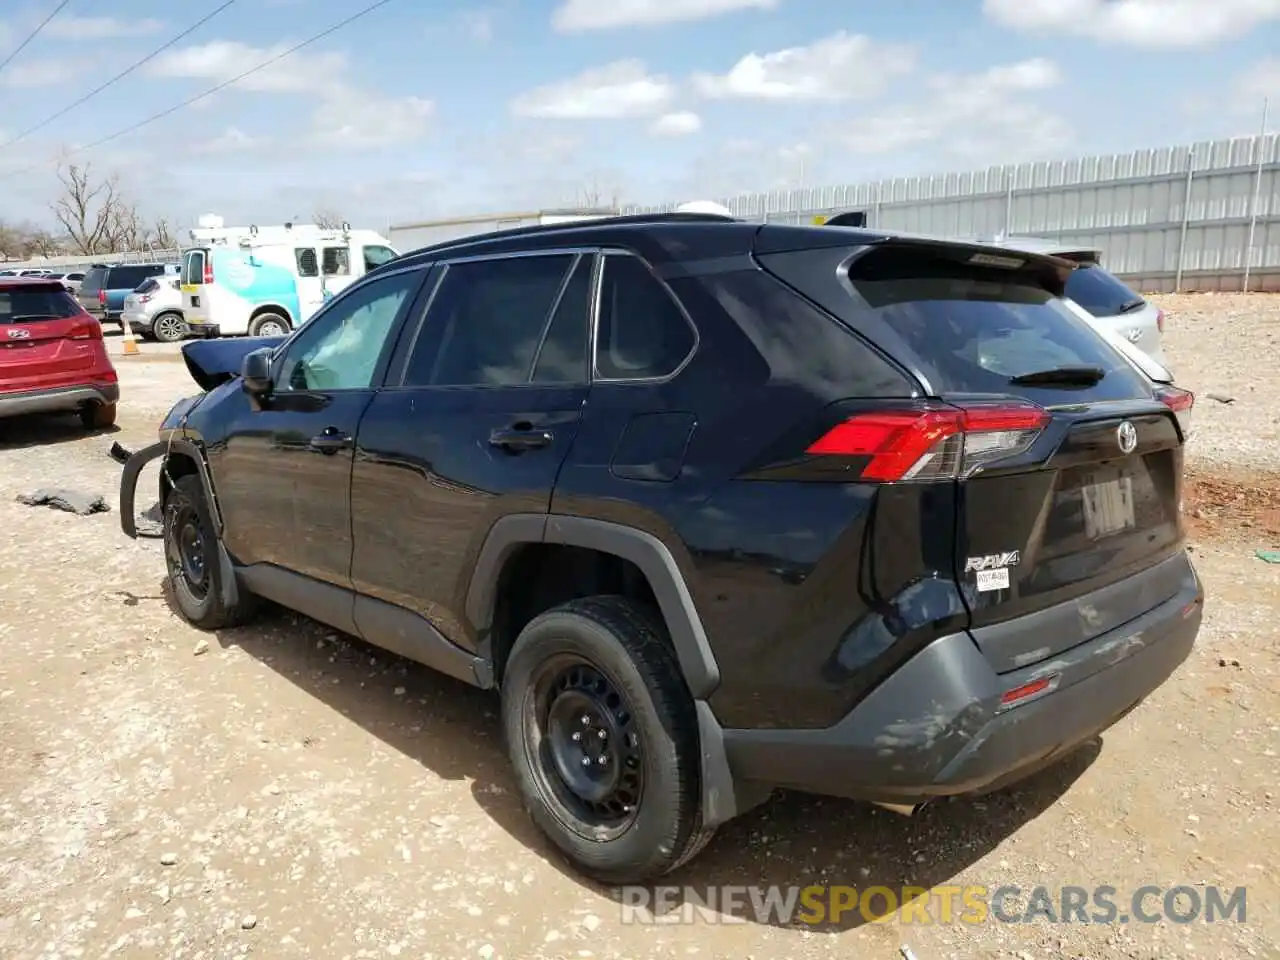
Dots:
{"x": 992, "y": 570}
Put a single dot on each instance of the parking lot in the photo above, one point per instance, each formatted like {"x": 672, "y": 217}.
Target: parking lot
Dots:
{"x": 282, "y": 791}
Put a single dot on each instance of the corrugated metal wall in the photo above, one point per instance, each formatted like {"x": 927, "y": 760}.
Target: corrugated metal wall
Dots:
{"x": 1166, "y": 218}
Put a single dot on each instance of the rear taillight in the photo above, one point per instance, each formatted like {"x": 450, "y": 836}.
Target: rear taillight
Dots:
{"x": 1160, "y": 320}
{"x": 208, "y": 272}
{"x": 1176, "y": 399}
{"x": 102, "y": 296}
{"x": 933, "y": 444}
{"x": 143, "y": 297}
{"x": 86, "y": 328}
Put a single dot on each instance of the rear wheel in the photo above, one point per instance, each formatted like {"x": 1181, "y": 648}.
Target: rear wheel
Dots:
{"x": 169, "y": 328}
{"x": 603, "y": 736}
{"x": 191, "y": 554}
{"x": 98, "y": 416}
{"x": 268, "y": 325}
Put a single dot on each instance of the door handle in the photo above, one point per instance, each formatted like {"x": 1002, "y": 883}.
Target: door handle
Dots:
{"x": 520, "y": 437}
{"x": 330, "y": 441}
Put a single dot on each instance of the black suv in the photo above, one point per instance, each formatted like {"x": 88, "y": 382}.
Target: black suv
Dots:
{"x": 717, "y": 507}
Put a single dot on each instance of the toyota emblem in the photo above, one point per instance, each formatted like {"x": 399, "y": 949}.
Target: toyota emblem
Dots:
{"x": 1127, "y": 437}
{"x": 19, "y": 333}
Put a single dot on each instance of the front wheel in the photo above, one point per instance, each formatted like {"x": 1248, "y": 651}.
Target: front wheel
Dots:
{"x": 191, "y": 553}
{"x": 169, "y": 328}
{"x": 268, "y": 325}
{"x": 602, "y": 733}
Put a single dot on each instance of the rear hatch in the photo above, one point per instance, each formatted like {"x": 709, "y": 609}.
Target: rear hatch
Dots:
{"x": 1067, "y": 461}
{"x": 45, "y": 338}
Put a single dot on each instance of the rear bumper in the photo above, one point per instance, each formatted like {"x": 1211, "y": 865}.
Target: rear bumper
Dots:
{"x": 937, "y": 727}
{"x": 57, "y": 399}
{"x": 138, "y": 322}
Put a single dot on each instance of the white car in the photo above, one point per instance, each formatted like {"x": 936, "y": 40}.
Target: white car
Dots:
{"x": 154, "y": 310}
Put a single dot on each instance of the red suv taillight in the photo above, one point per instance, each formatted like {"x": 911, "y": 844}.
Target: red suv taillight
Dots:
{"x": 933, "y": 444}
{"x": 86, "y": 328}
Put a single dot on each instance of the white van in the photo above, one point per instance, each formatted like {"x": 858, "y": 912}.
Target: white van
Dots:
{"x": 265, "y": 281}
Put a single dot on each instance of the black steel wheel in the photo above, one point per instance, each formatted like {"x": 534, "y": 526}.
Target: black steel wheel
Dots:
{"x": 193, "y": 560}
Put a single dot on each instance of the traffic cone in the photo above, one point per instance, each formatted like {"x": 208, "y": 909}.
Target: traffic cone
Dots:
{"x": 130, "y": 341}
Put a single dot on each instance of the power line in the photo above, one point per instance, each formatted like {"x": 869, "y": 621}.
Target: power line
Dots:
{"x": 119, "y": 76}
{"x": 33, "y": 34}
{"x": 365, "y": 11}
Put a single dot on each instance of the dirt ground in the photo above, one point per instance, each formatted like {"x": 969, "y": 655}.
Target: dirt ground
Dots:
{"x": 280, "y": 791}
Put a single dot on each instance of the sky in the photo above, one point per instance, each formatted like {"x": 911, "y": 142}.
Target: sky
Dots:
{"x": 442, "y": 107}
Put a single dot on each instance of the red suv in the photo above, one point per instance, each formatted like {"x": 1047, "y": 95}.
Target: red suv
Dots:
{"x": 52, "y": 355}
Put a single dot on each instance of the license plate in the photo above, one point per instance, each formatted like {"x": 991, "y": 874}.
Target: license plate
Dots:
{"x": 1108, "y": 506}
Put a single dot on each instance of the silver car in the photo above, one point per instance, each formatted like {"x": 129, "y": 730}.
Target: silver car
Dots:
{"x": 1104, "y": 295}
{"x": 154, "y": 310}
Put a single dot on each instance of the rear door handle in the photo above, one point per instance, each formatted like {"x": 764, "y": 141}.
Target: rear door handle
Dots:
{"x": 520, "y": 437}
{"x": 330, "y": 441}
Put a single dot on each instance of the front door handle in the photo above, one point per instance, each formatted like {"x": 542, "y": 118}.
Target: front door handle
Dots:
{"x": 520, "y": 437}
{"x": 330, "y": 441}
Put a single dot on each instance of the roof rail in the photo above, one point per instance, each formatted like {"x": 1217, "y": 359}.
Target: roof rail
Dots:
{"x": 537, "y": 228}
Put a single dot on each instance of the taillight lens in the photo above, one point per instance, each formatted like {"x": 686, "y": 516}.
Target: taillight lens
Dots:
{"x": 102, "y": 296}
{"x": 1176, "y": 399}
{"x": 86, "y": 328}
{"x": 1160, "y": 320}
{"x": 933, "y": 444}
{"x": 144, "y": 297}
{"x": 208, "y": 272}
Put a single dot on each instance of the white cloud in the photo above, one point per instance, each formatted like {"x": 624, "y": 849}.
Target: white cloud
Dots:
{"x": 345, "y": 116}
{"x": 220, "y": 60}
{"x": 577, "y": 16}
{"x": 842, "y": 66}
{"x": 231, "y": 140}
{"x": 100, "y": 28}
{"x": 978, "y": 118}
{"x": 620, "y": 89}
{"x": 39, "y": 73}
{"x": 1140, "y": 23}
{"x": 682, "y": 123}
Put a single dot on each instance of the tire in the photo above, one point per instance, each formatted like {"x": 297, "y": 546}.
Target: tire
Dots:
{"x": 169, "y": 328}
{"x": 606, "y": 658}
{"x": 98, "y": 416}
{"x": 198, "y": 597}
{"x": 268, "y": 320}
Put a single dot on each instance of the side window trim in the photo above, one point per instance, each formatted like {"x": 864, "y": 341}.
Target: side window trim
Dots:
{"x": 551, "y": 316}
{"x": 597, "y": 292}
{"x": 396, "y": 382}
{"x": 380, "y": 371}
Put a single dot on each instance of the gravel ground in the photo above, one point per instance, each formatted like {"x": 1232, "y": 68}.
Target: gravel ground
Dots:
{"x": 283, "y": 792}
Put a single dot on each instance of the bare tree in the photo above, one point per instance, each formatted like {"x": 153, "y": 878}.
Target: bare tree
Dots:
{"x": 593, "y": 197}
{"x": 88, "y": 209}
{"x": 327, "y": 219}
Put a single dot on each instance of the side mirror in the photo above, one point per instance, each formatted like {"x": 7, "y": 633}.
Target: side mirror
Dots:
{"x": 255, "y": 372}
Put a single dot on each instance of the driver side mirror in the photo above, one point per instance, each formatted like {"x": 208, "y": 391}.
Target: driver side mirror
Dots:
{"x": 255, "y": 372}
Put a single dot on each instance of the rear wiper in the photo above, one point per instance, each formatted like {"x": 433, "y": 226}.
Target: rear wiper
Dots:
{"x": 1131, "y": 305}
{"x": 1077, "y": 376}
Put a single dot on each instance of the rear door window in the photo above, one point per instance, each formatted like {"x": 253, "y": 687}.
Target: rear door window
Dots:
{"x": 93, "y": 280}
{"x": 1101, "y": 293}
{"x": 30, "y": 306}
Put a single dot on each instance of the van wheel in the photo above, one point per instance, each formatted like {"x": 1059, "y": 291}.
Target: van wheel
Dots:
{"x": 268, "y": 325}
{"x": 191, "y": 555}
{"x": 602, "y": 733}
{"x": 98, "y": 416}
{"x": 169, "y": 328}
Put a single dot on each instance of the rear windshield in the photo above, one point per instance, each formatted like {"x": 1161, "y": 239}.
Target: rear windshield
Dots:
{"x": 977, "y": 328}
{"x": 23, "y": 306}
{"x": 93, "y": 280}
{"x": 128, "y": 278}
{"x": 1101, "y": 293}
{"x": 148, "y": 285}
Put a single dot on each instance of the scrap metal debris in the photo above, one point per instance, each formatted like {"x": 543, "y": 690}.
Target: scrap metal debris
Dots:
{"x": 1268, "y": 556}
{"x": 119, "y": 454}
{"x": 72, "y": 501}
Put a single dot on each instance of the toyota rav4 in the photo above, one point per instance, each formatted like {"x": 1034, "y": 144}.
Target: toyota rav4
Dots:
{"x": 716, "y": 507}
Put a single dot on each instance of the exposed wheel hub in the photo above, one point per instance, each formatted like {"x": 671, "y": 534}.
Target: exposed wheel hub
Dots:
{"x": 186, "y": 548}
{"x": 593, "y": 748}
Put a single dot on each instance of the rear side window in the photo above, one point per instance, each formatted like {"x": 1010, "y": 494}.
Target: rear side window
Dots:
{"x": 307, "y": 262}
{"x": 979, "y": 327}
{"x": 337, "y": 261}
{"x": 93, "y": 280}
{"x": 148, "y": 285}
{"x": 486, "y": 322}
{"x": 1101, "y": 293}
{"x": 193, "y": 267}
{"x": 642, "y": 333}
{"x": 27, "y": 306}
